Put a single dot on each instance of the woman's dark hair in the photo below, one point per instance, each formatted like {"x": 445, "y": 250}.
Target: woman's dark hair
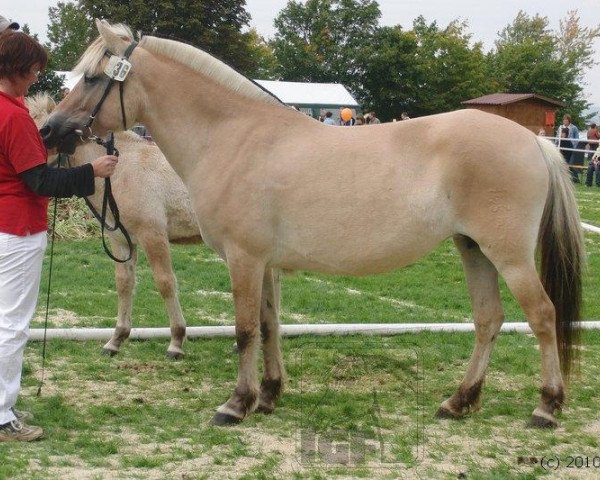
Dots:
{"x": 564, "y": 131}
{"x": 18, "y": 53}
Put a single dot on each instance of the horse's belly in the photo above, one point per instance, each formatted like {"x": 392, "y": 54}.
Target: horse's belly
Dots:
{"x": 360, "y": 254}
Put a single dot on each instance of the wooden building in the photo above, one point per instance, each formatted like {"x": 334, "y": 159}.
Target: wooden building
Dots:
{"x": 528, "y": 109}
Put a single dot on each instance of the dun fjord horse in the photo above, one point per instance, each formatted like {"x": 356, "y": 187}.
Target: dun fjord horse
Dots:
{"x": 273, "y": 189}
{"x": 155, "y": 208}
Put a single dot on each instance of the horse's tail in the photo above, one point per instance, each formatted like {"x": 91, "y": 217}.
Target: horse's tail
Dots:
{"x": 560, "y": 243}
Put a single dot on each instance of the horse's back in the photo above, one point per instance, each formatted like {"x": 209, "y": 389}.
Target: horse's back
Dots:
{"x": 397, "y": 190}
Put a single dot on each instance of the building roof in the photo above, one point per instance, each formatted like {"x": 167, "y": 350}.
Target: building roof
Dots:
{"x": 301, "y": 93}
{"x": 291, "y": 93}
{"x": 506, "y": 98}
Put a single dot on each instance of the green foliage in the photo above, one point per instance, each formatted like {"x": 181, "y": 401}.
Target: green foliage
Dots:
{"x": 323, "y": 40}
{"x": 429, "y": 69}
{"x": 531, "y": 58}
{"x": 48, "y": 81}
{"x": 423, "y": 71}
{"x": 69, "y": 33}
{"x": 262, "y": 58}
{"x": 213, "y": 25}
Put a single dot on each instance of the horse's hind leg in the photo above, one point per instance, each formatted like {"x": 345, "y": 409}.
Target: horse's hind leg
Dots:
{"x": 125, "y": 281}
{"x": 527, "y": 288}
{"x": 274, "y": 371}
{"x": 482, "y": 279}
{"x": 156, "y": 246}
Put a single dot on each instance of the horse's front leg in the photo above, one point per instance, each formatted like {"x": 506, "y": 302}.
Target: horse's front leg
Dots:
{"x": 156, "y": 246}
{"x": 274, "y": 371}
{"x": 246, "y": 275}
{"x": 125, "y": 281}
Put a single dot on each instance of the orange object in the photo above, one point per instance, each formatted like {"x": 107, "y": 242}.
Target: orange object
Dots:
{"x": 346, "y": 114}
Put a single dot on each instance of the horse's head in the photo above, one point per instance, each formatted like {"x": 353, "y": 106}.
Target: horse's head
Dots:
{"x": 70, "y": 122}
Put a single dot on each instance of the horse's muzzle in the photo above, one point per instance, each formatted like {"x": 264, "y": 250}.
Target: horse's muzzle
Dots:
{"x": 61, "y": 134}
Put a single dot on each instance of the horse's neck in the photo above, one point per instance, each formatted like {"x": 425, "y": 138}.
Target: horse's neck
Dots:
{"x": 188, "y": 119}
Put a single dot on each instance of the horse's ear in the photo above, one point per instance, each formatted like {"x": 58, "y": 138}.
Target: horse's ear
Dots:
{"x": 114, "y": 43}
{"x": 50, "y": 104}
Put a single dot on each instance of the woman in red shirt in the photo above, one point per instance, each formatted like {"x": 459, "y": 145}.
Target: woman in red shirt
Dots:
{"x": 25, "y": 183}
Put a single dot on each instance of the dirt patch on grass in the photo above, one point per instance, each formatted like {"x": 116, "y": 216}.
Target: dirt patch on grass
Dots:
{"x": 58, "y": 317}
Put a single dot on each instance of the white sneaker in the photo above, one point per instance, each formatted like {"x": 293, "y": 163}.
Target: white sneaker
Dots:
{"x": 22, "y": 416}
{"x": 17, "y": 431}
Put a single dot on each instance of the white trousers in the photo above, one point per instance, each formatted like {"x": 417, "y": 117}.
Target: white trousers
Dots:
{"x": 20, "y": 271}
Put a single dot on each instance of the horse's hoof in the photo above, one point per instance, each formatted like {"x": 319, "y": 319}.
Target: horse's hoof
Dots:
{"x": 108, "y": 352}
{"x": 175, "y": 355}
{"x": 443, "y": 412}
{"x": 264, "y": 408}
{"x": 537, "y": 421}
{"x": 224, "y": 420}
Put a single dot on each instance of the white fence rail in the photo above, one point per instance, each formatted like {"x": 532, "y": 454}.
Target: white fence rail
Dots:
{"x": 104, "y": 334}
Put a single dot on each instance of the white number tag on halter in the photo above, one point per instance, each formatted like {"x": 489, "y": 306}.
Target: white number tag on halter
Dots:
{"x": 117, "y": 68}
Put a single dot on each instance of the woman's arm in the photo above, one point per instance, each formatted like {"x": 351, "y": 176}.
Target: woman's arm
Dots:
{"x": 60, "y": 182}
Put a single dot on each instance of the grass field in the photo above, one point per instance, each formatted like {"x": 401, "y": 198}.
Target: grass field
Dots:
{"x": 354, "y": 407}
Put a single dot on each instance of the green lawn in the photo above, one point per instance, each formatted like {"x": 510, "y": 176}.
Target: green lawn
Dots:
{"x": 140, "y": 416}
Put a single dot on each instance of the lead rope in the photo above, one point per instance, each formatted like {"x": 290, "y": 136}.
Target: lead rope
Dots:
{"x": 109, "y": 201}
{"x": 39, "y": 391}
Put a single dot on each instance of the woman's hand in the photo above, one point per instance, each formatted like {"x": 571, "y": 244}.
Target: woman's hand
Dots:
{"x": 105, "y": 166}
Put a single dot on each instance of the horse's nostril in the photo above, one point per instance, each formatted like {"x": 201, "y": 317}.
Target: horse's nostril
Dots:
{"x": 45, "y": 131}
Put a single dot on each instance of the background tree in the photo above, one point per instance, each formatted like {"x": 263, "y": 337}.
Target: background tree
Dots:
{"x": 48, "y": 81}
{"x": 422, "y": 71}
{"x": 322, "y": 40}
{"x": 213, "y": 25}
{"x": 262, "y": 57}
{"x": 531, "y": 58}
{"x": 70, "y": 31}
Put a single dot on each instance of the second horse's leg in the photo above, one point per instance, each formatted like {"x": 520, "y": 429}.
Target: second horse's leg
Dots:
{"x": 125, "y": 280}
{"x": 158, "y": 252}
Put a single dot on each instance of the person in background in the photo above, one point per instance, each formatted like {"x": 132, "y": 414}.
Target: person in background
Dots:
{"x": 329, "y": 119}
{"x": 25, "y": 183}
{"x": 593, "y": 138}
{"x": 373, "y": 118}
{"x": 594, "y": 163}
{"x": 573, "y": 132}
{"x": 564, "y": 143}
{"x": 64, "y": 92}
{"x": 404, "y": 116}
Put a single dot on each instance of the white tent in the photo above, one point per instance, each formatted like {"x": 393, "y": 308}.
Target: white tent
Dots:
{"x": 301, "y": 93}
{"x": 70, "y": 79}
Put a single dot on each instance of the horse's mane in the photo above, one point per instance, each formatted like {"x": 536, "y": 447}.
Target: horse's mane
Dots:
{"x": 40, "y": 103}
{"x": 202, "y": 62}
{"x": 195, "y": 58}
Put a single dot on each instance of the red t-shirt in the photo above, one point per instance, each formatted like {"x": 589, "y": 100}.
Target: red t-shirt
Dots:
{"x": 22, "y": 212}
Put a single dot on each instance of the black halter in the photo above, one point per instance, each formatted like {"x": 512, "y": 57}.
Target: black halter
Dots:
{"x": 107, "y": 90}
{"x": 108, "y": 202}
